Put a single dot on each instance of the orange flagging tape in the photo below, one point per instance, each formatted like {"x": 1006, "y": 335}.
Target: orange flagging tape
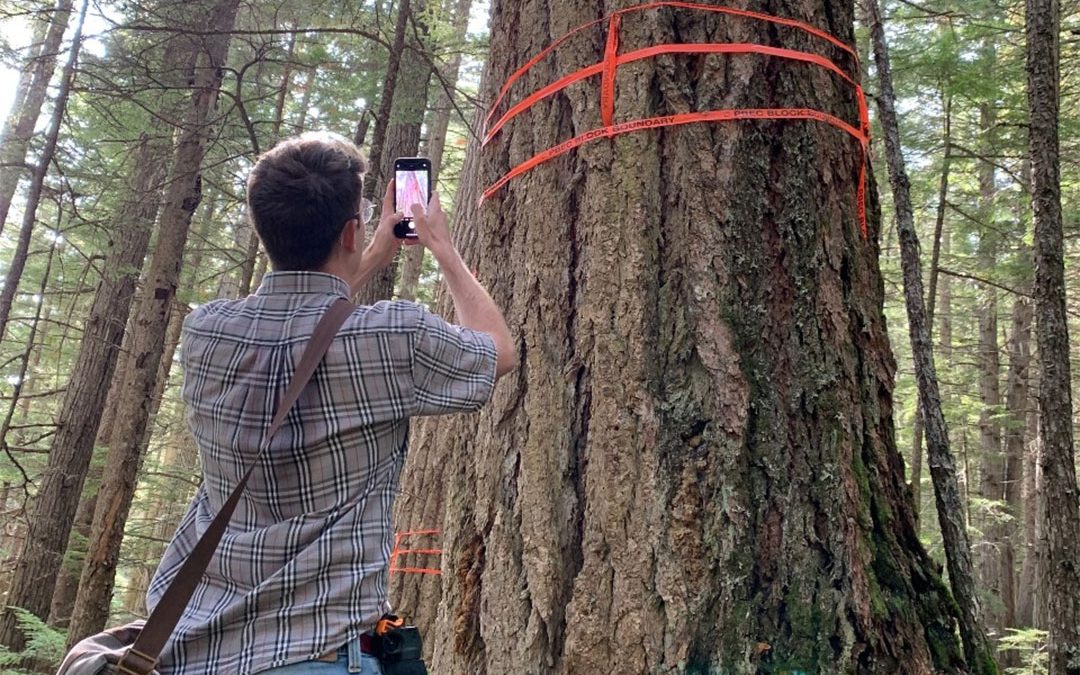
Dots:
{"x": 696, "y": 48}
{"x": 398, "y": 551}
{"x": 607, "y": 85}
{"x": 792, "y": 23}
{"x": 607, "y": 68}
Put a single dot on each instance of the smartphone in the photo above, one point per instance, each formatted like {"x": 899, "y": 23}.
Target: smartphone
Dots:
{"x": 412, "y": 185}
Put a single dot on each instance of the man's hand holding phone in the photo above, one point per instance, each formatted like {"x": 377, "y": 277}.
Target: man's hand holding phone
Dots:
{"x": 432, "y": 229}
{"x": 475, "y": 308}
{"x": 384, "y": 245}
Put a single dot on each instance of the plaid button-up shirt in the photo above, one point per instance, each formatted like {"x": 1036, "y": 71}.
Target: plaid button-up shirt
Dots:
{"x": 302, "y": 568}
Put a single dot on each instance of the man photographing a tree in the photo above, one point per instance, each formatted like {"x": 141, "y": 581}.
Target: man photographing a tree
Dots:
{"x": 301, "y": 573}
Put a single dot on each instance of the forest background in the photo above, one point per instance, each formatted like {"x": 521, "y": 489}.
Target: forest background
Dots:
{"x": 106, "y": 150}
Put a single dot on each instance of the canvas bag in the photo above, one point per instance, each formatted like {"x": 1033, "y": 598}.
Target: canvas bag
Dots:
{"x": 134, "y": 648}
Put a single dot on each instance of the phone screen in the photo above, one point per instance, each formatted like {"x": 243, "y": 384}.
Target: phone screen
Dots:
{"x": 412, "y": 188}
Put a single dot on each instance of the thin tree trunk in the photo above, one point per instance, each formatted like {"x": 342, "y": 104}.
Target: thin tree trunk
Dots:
{"x": 1030, "y": 587}
{"x": 991, "y": 463}
{"x": 19, "y": 129}
{"x": 26, "y": 588}
{"x": 13, "y": 275}
{"x": 305, "y": 102}
{"x": 77, "y": 422}
{"x": 35, "y": 359}
{"x": 436, "y": 142}
{"x": 401, "y": 137}
{"x": 166, "y": 509}
{"x": 16, "y": 636}
{"x": 945, "y": 341}
{"x": 156, "y": 302}
{"x": 977, "y": 647}
{"x": 931, "y": 300}
{"x": 24, "y": 358}
{"x": 1061, "y": 495}
{"x": 374, "y": 177}
{"x": 247, "y": 270}
{"x": 1016, "y": 403}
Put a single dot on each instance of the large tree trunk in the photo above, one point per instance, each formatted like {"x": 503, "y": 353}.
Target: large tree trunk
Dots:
{"x": 18, "y": 99}
{"x": 19, "y": 128}
{"x": 977, "y": 648}
{"x": 694, "y": 468}
{"x": 35, "y": 572}
{"x": 140, "y": 577}
{"x": 67, "y": 582}
{"x": 1055, "y": 396}
{"x": 402, "y": 136}
{"x": 156, "y": 301}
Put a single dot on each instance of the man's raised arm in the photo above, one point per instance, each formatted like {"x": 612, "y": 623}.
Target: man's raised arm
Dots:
{"x": 474, "y": 306}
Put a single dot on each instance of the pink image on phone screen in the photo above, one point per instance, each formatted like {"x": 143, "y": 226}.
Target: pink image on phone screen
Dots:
{"x": 411, "y": 188}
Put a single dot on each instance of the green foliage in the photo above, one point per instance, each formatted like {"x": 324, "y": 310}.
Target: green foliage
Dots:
{"x": 1029, "y": 645}
{"x": 44, "y": 644}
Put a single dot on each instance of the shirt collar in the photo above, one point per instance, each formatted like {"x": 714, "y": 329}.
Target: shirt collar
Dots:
{"x": 276, "y": 283}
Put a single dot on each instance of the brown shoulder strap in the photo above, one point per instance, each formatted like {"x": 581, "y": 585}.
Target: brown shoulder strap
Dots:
{"x": 142, "y": 657}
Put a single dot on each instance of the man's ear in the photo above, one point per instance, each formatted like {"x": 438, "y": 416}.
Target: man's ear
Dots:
{"x": 349, "y": 235}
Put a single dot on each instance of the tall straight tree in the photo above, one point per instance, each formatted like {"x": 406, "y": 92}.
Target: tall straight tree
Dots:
{"x": 13, "y": 274}
{"x": 41, "y": 539}
{"x": 436, "y": 134}
{"x": 155, "y": 302}
{"x": 977, "y": 647}
{"x": 15, "y": 141}
{"x": 403, "y": 124}
{"x": 80, "y": 410}
{"x": 394, "y": 55}
{"x": 1061, "y": 495}
{"x": 694, "y": 469}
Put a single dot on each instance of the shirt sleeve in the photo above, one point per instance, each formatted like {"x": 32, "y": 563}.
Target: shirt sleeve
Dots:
{"x": 453, "y": 367}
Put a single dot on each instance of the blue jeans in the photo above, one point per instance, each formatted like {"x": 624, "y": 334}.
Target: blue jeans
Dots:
{"x": 350, "y": 660}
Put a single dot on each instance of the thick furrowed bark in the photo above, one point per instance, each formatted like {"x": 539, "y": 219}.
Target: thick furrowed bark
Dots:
{"x": 695, "y": 466}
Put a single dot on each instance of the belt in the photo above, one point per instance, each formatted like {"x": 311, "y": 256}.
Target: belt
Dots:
{"x": 367, "y": 646}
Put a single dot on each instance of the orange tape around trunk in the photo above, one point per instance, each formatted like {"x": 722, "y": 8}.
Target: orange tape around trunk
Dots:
{"x": 782, "y": 21}
{"x": 672, "y": 120}
{"x": 648, "y": 52}
{"x": 398, "y": 552}
{"x": 607, "y": 69}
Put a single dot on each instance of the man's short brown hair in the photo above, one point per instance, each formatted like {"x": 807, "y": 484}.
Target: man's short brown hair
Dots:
{"x": 300, "y": 195}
